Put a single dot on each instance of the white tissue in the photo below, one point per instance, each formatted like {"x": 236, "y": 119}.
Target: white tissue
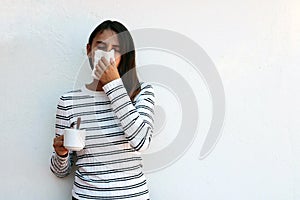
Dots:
{"x": 98, "y": 54}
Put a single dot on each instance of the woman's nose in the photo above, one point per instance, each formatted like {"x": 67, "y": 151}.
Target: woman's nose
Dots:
{"x": 108, "y": 48}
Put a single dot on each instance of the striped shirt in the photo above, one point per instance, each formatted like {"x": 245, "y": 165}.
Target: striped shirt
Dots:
{"x": 118, "y": 130}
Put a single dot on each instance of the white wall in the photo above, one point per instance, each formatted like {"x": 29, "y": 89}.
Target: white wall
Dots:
{"x": 254, "y": 45}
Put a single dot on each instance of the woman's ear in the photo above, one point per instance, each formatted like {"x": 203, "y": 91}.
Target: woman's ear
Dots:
{"x": 88, "y": 50}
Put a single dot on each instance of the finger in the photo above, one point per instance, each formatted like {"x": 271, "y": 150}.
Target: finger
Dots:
{"x": 94, "y": 75}
{"x": 58, "y": 138}
{"x": 61, "y": 137}
{"x": 112, "y": 62}
{"x": 99, "y": 71}
{"x": 61, "y": 149}
{"x": 98, "y": 68}
{"x": 98, "y": 74}
{"x": 106, "y": 63}
{"x": 58, "y": 143}
{"x": 101, "y": 65}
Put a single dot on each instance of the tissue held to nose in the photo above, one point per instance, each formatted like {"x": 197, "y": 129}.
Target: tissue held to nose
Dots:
{"x": 98, "y": 54}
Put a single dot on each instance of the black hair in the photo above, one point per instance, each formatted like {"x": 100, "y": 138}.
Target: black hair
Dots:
{"x": 127, "y": 65}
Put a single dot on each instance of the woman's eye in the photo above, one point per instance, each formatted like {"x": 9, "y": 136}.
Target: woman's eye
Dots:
{"x": 101, "y": 47}
{"x": 117, "y": 50}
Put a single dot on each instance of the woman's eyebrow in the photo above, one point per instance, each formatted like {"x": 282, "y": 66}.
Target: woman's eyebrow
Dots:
{"x": 101, "y": 42}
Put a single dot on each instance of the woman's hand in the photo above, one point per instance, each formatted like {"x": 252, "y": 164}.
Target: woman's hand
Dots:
{"x": 58, "y": 144}
{"x": 106, "y": 71}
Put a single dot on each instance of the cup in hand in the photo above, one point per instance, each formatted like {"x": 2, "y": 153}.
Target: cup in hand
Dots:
{"x": 74, "y": 139}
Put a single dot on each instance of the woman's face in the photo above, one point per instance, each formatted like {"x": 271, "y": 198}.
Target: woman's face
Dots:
{"x": 106, "y": 41}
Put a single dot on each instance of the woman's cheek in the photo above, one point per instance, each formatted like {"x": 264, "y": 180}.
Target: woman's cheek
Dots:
{"x": 118, "y": 59}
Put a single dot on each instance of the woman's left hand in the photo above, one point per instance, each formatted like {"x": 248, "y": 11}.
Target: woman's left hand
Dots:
{"x": 106, "y": 71}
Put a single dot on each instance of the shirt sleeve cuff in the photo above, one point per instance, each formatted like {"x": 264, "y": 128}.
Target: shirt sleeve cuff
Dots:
{"x": 62, "y": 158}
{"x": 108, "y": 86}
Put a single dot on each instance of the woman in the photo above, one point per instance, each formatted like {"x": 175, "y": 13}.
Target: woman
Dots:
{"x": 117, "y": 113}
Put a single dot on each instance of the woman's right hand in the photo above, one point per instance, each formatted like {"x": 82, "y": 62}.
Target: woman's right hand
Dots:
{"x": 58, "y": 144}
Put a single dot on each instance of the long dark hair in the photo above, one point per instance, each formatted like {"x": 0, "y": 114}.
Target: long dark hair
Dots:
{"x": 127, "y": 65}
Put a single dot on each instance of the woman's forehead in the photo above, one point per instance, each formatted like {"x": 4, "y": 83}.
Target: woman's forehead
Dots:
{"x": 108, "y": 37}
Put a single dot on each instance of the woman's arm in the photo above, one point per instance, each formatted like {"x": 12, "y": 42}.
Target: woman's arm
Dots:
{"x": 136, "y": 120}
{"x": 61, "y": 165}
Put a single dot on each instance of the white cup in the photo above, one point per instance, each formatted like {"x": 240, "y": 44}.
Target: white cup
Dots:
{"x": 74, "y": 139}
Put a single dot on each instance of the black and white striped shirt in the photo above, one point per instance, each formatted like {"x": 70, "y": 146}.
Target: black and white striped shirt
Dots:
{"x": 110, "y": 165}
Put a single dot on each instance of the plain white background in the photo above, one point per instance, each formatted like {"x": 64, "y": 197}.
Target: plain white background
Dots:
{"x": 254, "y": 45}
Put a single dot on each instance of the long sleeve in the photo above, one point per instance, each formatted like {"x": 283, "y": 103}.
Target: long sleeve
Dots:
{"x": 137, "y": 120}
{"x": 61, "y": 166}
